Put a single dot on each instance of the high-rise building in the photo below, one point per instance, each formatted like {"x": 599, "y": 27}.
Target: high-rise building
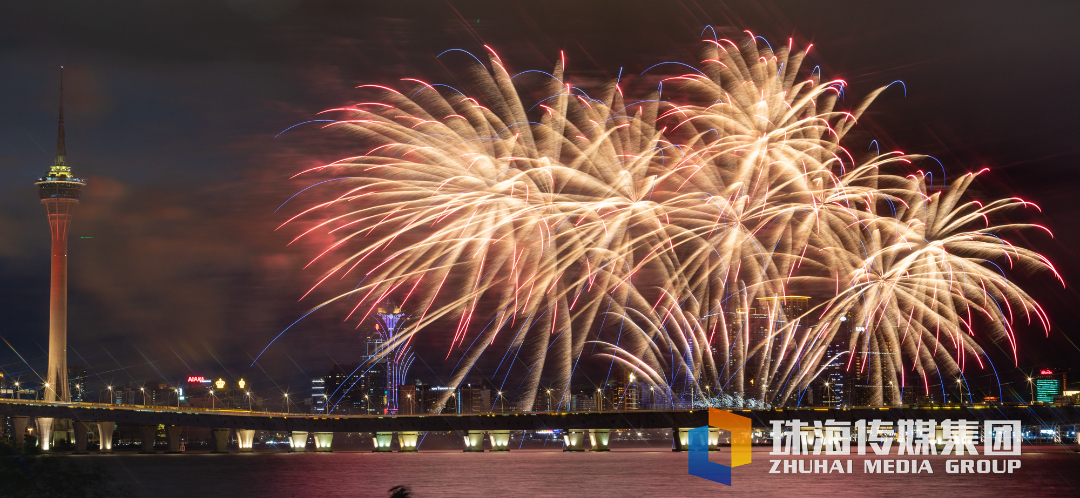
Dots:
{"x": 59, "y": 192}
{"x": 355, "y": 389}
{"x": 1048, "y": 385}
{"x": 474, "y": 397}
{"x": 77, "y": 383}
{"x": 835, "y": 379}
{"x": 391, "y": 349}
{"x": 318, "y": 394}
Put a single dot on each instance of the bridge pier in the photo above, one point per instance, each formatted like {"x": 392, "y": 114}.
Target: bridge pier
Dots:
{"x": 149, "y": 434}
{"x": 679, "y": 439}
{"x": 500, "y": 440}
{"x": 44, "y": 427}
{"x": 19, "y": 436}
{"x": 172, "y": 437}
{"x": 105, "y": 433}
{"x": 407, "y": 441}
{"x": 599, "y": 439}
{"x": 299, "y": 441}
{"x": 714, "y": 439}
{"x": 323, "y": 440}
{"x": 81, "y": 430}
{"x": 572, "y": 440}
{"x": 382, "y": 442}
{"x": 474, "y": 441}
{"x": 221, "y": 440}
{"x": 246, "y": 438}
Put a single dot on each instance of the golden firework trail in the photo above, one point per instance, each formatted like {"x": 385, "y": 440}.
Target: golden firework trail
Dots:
{"x": 645, "y": 231}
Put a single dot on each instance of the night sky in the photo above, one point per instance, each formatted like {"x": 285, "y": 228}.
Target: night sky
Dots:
{"x": 172, "y": 110}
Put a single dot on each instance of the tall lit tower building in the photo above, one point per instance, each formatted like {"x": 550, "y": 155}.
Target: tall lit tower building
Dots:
{"x": 59, "y": 192}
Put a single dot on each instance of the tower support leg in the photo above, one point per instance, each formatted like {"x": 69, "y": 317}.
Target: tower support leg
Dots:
{"x": 221, "y": 440}
{"x": 246, "y": 438}
{"x": 172, "y": 437}
{"x": 82, "y": 429}
{"x": 19, "y": 435}
{"x": 500, "y": 440}
{"x": 45, "y": 429}
{"x": 149, "y": 434}
{"x": 323, "y": 440}
{"x": 299, "y": 441}
{"x": 599, "y": 439}
{"x": 105, "y": 435}
{"x": 474, "y": 441}
{"x": 679, "y": 438}
{"x": 572, "y": 440}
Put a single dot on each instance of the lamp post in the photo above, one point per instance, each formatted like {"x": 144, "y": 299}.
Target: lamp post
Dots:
{"x": 46, "y": 390}
{"x": 960, "y": 385}
{"x": 143, "y": 391}
{"x": 213, "y": 400}
{"x": 498, "y": 396}
{"x": 16, "y": 390}
{"x": 828, "y": 396}
{"x": 410, "y": 404}
{"x": 1031, "y": 389}
{"x": 248, "y": 394}
{"x": 287, "y": 408}
{"x": 112, "y": 396}
{"x": 549, "y": 401}
{"x": 600, "y": 399}
{"x": 177, "y": 391}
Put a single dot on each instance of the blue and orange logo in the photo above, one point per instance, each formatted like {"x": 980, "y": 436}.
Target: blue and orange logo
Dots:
{"x": 698, "y": 462}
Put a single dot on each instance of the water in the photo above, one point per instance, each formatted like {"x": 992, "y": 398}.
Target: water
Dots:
{"x": 1045, "y": 471}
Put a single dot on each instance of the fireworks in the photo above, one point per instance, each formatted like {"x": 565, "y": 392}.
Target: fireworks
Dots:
{"x": 647, "y": 231}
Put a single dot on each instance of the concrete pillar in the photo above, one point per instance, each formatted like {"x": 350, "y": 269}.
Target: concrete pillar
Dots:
{"x": 19, "y": 435}
{"x": 246, "y": 438}
{"x": 221, "y": 440}
{"x": 572, "y": 440}
{"x": 149, "y": 434}
{"x": 714, "y": 439}
{"x": 474, "y": 441}
{"x": 679, "y": 439}
{"x": 382, "y": 441}
{"x": 599, "y": 439}
{"x": 323, "y": 440}
{"x": 82, "y": 429}
{"x": 44, "y": 433}
{"x": 299, "y": 441}
{"x": 407, "y": 441}
{"x": 500, "y": 440}
{"x": 172, "y": 437}
{"x": 105, "y": 434}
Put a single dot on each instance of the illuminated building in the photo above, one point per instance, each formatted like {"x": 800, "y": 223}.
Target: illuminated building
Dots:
{"x": 354, "y": 389}
{"x": 77, "y": 383}
{"x": 318, "y": 394}
{"x": 834, "y": 386}
{"x": 397, "y": 358}
{"x": 474, "y": 398}
{"x": 1048, "y": 385}
{"x": 59, "y": 192}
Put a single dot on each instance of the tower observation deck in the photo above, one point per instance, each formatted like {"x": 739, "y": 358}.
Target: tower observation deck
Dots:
{"x": 59, "y": 192}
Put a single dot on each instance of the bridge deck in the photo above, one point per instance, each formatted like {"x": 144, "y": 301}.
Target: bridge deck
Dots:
{"x": 630, "y": 419}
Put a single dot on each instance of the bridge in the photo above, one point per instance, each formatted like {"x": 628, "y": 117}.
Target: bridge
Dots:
{"x": 498, "y": 426}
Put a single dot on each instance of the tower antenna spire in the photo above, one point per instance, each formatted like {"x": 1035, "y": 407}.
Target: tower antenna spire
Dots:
{"x": 61, "y": 148}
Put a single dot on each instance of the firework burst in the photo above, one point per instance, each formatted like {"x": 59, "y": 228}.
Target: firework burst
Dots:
{"x": 646, "y": 230}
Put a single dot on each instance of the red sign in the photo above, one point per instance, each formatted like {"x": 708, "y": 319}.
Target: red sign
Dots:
{"x": 1046, "y": 372}
{"x": 195, "y": 379}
